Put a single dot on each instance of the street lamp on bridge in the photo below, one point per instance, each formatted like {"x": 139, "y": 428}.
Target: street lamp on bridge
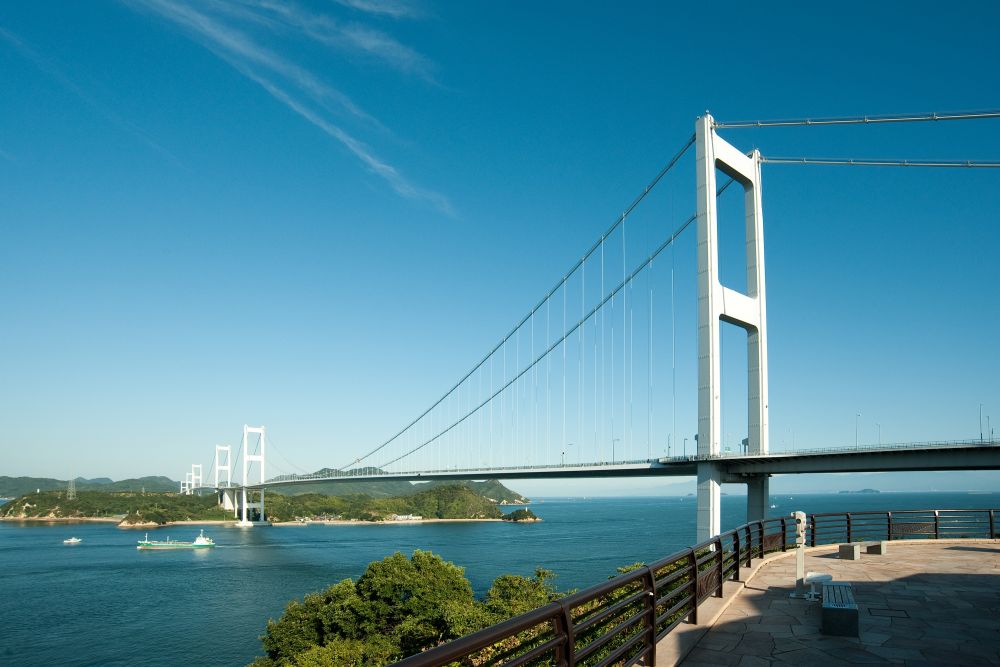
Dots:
{"x": 613, "y": 441}
{"x": 568, "y": 444}
{"x": 857, "y": 418}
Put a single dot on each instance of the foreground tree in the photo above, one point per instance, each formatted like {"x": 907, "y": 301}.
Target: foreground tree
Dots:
{"x": 398, "y": 607}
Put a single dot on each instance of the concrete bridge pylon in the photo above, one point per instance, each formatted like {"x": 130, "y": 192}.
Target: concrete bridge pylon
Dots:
{"x": 717, "y": 304}
{"x": 248, "y": 460}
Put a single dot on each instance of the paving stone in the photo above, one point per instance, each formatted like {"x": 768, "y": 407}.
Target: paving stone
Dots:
{"x": 900, "y": 654}
{"x": 758, "y": 650}
{"x": 874, "y": 638}
{"x": 854, "y": 656}
{"x": 714, "y": 657}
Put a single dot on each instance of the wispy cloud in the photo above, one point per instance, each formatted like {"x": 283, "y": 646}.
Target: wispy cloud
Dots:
{"x": 292, "y": 85}
{"x": 397, "y": 9}
{"x": 56, "y": 73}
{"x": 396, "y": 180}
{"x": 349, "y": 37}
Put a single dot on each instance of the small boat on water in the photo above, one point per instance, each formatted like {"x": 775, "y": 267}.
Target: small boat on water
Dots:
{"x": 200, "y": 542}
{"x": 72, "y": 540}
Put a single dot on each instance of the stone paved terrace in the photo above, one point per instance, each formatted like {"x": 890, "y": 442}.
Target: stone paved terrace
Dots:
{"x": 923, "y": 603}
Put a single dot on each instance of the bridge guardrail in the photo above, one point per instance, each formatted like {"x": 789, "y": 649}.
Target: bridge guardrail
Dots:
{"x": 596, "y": 465}
{"x": 621, "y": 620}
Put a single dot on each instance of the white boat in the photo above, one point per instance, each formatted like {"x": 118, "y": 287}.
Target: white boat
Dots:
{"x": 72, "y": 540}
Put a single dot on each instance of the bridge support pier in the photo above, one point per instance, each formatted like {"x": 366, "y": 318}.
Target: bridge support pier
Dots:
{"x": 709, "y": 499}
{"x": 758, "y": 497}
{"x": 227, "y": 500}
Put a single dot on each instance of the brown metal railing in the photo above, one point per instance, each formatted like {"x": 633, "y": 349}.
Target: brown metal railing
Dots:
{"x": 620, "y": 621}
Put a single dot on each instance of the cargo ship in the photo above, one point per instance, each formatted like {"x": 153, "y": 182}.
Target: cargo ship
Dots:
{"x": 200, "y": 542}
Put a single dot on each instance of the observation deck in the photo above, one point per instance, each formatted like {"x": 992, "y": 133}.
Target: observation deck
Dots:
{"x": 923, "y": 602}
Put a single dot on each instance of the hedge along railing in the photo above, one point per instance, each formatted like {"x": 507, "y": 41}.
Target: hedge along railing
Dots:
{"x": 619, "y": 622}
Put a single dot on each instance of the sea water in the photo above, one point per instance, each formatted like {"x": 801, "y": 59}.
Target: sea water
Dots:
{"x": 103, "y": 602}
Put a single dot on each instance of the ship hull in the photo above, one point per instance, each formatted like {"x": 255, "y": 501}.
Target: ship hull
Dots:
{"x": 172, "y": 547}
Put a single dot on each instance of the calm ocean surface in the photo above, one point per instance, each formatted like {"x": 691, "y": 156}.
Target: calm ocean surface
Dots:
{"x": 105, "y": 603}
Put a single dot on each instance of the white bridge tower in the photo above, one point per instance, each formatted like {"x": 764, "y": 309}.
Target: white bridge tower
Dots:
{"x": 249, "y": 459}
{"x": 227, "y": 494}
{"x": 718, "y": 303}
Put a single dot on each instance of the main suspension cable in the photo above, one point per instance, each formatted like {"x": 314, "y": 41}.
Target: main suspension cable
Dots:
{"x": 566, "y": 334}
{"x": 868, "y": 162}
{"x": 597, "y": 244}
{"x": 864, "y": 120}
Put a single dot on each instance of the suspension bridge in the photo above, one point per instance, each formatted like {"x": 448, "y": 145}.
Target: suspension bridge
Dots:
{"x": 587, "y": 383}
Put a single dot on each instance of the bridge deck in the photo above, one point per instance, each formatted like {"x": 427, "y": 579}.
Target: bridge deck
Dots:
{"x": 921, "y": 603}
{"x": 951, "y": 455}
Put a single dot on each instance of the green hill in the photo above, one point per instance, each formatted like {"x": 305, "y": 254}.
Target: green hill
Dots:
{"x": 454, "y": 501}
{"x": 489, "y": 488}
{"x": 135, "y": 507}
{"x": 12, "y": 487}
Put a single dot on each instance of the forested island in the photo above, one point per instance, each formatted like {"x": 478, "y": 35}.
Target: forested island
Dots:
{"x": 456, "y": 501}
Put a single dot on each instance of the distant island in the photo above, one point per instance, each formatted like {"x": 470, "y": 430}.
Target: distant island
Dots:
{"x": 521, "y": 515}
{"x": 863, "y": 491}
{"x": 435, "y": 502}
{"x": 14, "y": 487}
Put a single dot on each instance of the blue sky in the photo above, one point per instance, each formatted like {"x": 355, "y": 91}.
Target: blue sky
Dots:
{"x": 318, "y": 215}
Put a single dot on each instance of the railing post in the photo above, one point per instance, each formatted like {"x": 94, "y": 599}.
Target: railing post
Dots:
{"x": 722, "y": 562}
{"x": 849, "y": 527}
{"x": 784, "y": 535}
{"x": 693, "y": 564}
{"x": 888, "y": 527}
{"x": 812, "y": 523}
{"x": 760, "y": 530}
{"x": 738, "y": 554}
{"x": 937, "y": 525}
{"x": 565, "y": 655}
{"x": 749, "y": 545}
{"x": 992, "y": 525}
{"x": 651, "y": 617}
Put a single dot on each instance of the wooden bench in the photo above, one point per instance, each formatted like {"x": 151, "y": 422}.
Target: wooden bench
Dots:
{"x": 840, "y": 611}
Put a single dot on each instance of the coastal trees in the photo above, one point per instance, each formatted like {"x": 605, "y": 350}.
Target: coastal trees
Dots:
{"x": 454, "y": 501}
{"x": 398, "y": 607}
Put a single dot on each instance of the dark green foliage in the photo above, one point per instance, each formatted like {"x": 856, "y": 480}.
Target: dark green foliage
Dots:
{"x": 489, "y": 488}
{"x": 453, "y": 501}
{"x": 520, "y": 515}
{"x": 440, "y": 502}
{"x": 398, "y": 607}
{"x": 135, "y": 507}
{"x": 511, "y": 595}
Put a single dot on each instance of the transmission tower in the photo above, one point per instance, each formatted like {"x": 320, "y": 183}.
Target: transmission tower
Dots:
{"x": 71, "y": 490}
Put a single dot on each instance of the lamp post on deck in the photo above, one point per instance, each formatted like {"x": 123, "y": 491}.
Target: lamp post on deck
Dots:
{"x": 568, "y": 444}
